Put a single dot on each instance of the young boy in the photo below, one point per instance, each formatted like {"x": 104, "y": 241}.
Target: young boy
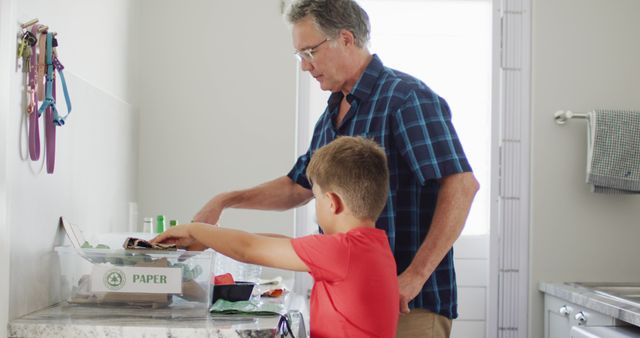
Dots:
{"x": 355, "y": 292}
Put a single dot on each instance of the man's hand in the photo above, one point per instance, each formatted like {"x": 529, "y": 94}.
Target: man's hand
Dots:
{"x": 210, "y": 212}
{"x": 410, "y": 284}
{"x": 454, "y": 201}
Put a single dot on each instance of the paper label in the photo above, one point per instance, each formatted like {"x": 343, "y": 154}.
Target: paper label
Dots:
{"x": 136, "y": 279}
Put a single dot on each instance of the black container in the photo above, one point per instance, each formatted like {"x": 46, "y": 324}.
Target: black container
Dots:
{"x": 232, "y": 292}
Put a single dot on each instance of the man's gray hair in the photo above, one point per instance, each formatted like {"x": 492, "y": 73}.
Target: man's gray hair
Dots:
{"x": 331, "y": 16}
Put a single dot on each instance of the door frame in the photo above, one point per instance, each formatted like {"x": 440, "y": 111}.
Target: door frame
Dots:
{"x": 508, "y": 305}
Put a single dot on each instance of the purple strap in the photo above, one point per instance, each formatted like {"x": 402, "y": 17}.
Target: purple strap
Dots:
{"x": 50, "y": 134}
{"x": 34, "y": 128}
{"x": 34, "y": 136}
{"x": 57, "y": 64}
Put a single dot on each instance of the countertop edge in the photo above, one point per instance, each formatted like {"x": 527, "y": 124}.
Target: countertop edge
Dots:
{"x": 586, "y": 297}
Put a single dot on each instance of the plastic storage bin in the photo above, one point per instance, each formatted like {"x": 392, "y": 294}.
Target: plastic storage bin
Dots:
{"x": 134, "y": 278}
{"x": 233, "y": 292}
{"x": 240, "y": 271}
{"x": 243, "y": 273}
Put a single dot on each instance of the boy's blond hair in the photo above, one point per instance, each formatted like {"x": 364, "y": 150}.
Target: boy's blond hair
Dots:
{"x": 356, "y": 169}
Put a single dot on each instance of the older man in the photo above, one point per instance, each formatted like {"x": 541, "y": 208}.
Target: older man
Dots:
{"x": 431, "y": 183}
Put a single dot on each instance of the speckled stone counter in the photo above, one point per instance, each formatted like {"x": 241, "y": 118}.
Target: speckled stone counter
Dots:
{"x": 65, "y": 320}
{"x": 589, "y": 298}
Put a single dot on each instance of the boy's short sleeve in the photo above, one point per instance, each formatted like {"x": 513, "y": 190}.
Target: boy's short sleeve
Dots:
{"x": 327, "y": 256}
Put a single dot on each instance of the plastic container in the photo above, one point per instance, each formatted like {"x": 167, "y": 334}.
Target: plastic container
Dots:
{"x": 147, "y": 225}
{"x": 160, "y": 224}
{"x": 240, "y": 271}
{"x": 233, "y": 292}
{"x": 134, "y": 278}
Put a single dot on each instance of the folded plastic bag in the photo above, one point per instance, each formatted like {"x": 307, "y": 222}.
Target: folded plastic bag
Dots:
{"x": 245, "y": 307}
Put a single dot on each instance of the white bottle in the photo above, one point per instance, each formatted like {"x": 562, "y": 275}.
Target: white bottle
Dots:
{"x": 148, "y": 225}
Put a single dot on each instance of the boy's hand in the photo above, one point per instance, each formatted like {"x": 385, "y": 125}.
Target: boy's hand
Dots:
{"x": 180, "y": 236}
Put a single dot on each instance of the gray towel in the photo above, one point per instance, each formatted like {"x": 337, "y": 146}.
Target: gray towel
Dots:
{"x": 613, "y": 158}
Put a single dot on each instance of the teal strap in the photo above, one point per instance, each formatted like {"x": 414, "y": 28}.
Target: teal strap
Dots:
{"x": 54, "y": 64}
{"x": 49, "y": 100}
{"x": 56, "y": 118}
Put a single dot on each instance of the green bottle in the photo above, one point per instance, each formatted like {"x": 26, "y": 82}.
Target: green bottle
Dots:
{"x": 173, "y": 223}
{"x": 160, "y": 225}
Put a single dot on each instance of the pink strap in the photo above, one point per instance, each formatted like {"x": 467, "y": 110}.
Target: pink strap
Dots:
{"x": 42, "y": 41}
{"x": 32, "y": 105}
{"x": 34, "y": 137}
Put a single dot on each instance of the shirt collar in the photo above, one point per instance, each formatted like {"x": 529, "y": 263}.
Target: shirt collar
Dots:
{"x": 364, "y": 86}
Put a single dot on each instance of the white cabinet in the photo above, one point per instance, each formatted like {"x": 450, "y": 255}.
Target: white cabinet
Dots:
{"x": 560, "y": 316}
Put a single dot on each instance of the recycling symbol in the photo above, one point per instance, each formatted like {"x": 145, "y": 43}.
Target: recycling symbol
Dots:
{"x": 114, "y": 279}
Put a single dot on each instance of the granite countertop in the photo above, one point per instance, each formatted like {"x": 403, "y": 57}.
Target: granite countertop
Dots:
{"x": 67, "y": 320}
{"x": 589, "y": 298}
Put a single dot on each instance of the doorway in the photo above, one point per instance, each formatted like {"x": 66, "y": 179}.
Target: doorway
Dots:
{"x": 457, "y": 48}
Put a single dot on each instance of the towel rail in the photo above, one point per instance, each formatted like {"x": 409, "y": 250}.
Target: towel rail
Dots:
{"x": 561, "y": 116}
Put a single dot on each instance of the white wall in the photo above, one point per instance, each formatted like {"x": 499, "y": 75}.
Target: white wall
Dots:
{"x": 208, "y": 84}
{"x": 585, "y": 55}
{"x": 95, "y": 153}
{"x": 6, "y": 11}
{"x": 217, "y": 106}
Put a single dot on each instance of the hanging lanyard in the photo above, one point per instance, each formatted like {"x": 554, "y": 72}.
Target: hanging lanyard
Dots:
{"x": 49, "y": 100}
{"x": 32, "y": 102}
{"x": 37, "y": 65}
{"x": 42, "y": 47}
{"x": 50, "y": 133}
{"x": 59, "y": 67}
{"x": 48, "y": 107}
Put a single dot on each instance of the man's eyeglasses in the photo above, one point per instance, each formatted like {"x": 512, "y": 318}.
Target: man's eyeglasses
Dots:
{"x": 307, "y": 54}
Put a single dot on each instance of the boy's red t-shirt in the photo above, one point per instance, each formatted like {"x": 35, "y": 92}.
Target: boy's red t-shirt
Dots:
{"x": 355, "y": 293}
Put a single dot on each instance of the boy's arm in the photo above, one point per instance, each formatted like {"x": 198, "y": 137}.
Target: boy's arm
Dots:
{"x": 240, "y": 245}
{"x": 273, "y": 235}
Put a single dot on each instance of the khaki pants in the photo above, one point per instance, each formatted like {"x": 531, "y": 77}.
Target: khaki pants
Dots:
{"x": 424, "y": 324}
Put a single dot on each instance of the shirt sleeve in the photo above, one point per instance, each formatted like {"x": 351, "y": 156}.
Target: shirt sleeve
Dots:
{"x": 327, "y": 256}
{"x": 298, "y": 173}
{"x": 426, "y": 138}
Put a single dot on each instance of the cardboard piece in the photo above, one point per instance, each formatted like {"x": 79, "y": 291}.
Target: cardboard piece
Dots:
{"x": 74, "y": 234}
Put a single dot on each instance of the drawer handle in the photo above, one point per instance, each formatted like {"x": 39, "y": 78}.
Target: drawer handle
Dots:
{"x": 565, "y": 310}
{"x": 581, "y": 318}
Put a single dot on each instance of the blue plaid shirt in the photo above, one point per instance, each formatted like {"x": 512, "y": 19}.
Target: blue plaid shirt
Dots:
{"x": 413, "y": 125}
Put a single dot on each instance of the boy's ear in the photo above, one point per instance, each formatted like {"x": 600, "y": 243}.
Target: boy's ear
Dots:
{"x": 337, "y": 204}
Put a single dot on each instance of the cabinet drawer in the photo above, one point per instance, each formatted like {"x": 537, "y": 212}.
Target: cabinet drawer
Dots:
{"x": 561, "y": 315}
{"x": 585, "y": 316}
